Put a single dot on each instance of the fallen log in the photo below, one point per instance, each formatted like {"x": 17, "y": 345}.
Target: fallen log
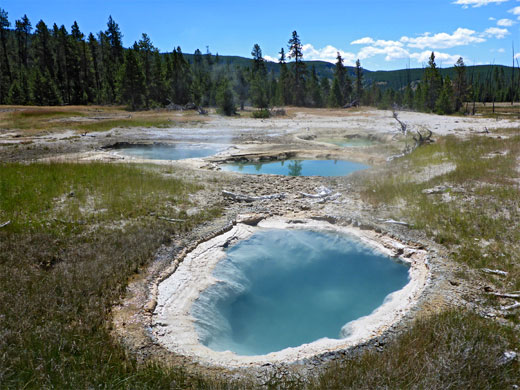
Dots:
{"x": 322, "y": 192}
{"x": 500, "y": 295}
{"x": 393, "y": 221}
{"x": 248, "y": 198}
{"x": 516, "y": 305}
{"x": 494, "y": 271}
{"x": 171, "y": 219}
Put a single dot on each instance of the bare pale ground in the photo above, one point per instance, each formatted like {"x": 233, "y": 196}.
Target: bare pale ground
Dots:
{"x": 298, "y": 132}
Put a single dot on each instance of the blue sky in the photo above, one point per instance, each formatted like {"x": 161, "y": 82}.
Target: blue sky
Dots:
{"x": 382, "y": 34}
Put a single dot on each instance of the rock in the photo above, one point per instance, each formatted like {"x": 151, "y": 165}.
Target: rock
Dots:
{"x": 435, "y": 190}
{"x": 507, "y": 358}
{"x": 250, "y": 219}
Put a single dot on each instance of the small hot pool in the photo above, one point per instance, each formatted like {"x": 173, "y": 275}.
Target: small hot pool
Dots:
{"x": 298, "y": 167}
{"x": 285, "y": 288}
{"x": 178, "y": 151}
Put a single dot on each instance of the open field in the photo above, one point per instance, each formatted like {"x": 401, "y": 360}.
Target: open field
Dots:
{"x": 81, "y": 233}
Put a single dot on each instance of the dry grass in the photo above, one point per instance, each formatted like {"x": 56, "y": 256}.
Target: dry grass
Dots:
{"x": 33, "y": 120}
{"x": 501, "y": 110}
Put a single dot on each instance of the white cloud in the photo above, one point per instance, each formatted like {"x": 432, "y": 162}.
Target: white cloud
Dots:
{"x": 492, "y": 18}
{"x": 477, "y": 3}
{"x": 439, "y": 57}
{"x": 505, "y": 23}
{"x": 496, "y": 32}
{"x": 269, "y": 58}
{"x": 328, "y": 53}
{"x": 515, "y": 11}
{"x": 378, "y": 43}
{"x": 460, "y": 37}
{"x": 390, "y": 52}
{"x": 501, "y": 50}
{"x": 363, "y": 41}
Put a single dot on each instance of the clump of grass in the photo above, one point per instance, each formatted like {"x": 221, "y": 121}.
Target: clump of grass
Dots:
{"x": 451, "y": 350}
{"x": 58, "y": 280}
{"x": 261, "y": 114}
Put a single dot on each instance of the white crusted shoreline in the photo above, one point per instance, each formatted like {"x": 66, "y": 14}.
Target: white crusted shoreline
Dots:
{"x": 173, "y": 326}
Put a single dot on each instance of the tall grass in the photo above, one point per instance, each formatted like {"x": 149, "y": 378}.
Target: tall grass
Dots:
{"x": 483, "y": 203}
{"x": 59, "y": 280}
{"x": 451, "y": 350}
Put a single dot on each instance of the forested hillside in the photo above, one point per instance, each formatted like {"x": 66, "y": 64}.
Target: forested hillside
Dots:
{"x": 50, "y": 65}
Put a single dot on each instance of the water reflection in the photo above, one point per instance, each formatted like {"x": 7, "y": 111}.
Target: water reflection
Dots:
{"x": 297, "y": 167}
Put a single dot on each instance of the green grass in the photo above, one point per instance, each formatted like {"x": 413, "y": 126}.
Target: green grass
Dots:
{"x": 481, "y": 222}
{"x": 450, "y": 350}
{"x": 58, "y": 280}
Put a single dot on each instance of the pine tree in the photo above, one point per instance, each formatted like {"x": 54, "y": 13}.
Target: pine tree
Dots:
{"x": 359, "y": 82}
{"x": 432, "y": 83}
{"x": 224, "y": 98}
{"x": 335, "y": 95}
{"x": 241, "y": 86}
{"x": 408, "y": 100}
{"x": 325, "y": 88}
{"x": 112, "y": 47}
{"x": 132, "y": 81}
{"x": 158, "y": 82}
{"x": 444, "y": 103}
{"x": 4, "y": 26}
{"x": 146, "y": 49}
{"x": 259, "y": 91}
{"x": 345, "y": 85}
{"x": 5, "y": 66}
{"x": 44, "y": 91}
{"x": 315, "y": 92}
{"x": 23, "y": 30}
{"x": 93, "y": 46}
{"x": 461, "y": 84}
{"x": 283, "y": 93}
{"x": 298, "y": 70}
{"x": 179, "y": 78}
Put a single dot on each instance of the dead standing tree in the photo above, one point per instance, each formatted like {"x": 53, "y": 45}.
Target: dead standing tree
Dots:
{"x": 419, "y": 138}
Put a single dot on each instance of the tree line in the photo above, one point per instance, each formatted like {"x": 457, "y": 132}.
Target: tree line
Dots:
{"x": 52, "y": 66}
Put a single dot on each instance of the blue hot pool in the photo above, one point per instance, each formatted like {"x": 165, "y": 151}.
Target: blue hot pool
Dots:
{"x": 285, "y": 288}
{"x": 298, "y": 167}
{"x": 177, "y": 151}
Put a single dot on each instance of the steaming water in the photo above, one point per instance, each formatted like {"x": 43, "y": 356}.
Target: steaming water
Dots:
{"x": 285, "y": 288}
{"x": 170, "y": 151}
{"x": 298, "y": 167}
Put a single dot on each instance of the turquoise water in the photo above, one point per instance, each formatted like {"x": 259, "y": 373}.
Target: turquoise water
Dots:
{"x": 170, "y": 151}
{"x": 298, "y": 167}
{"x": 285, "y": 288}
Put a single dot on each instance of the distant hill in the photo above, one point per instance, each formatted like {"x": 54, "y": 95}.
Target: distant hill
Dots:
{"x": 386, "y": 79}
